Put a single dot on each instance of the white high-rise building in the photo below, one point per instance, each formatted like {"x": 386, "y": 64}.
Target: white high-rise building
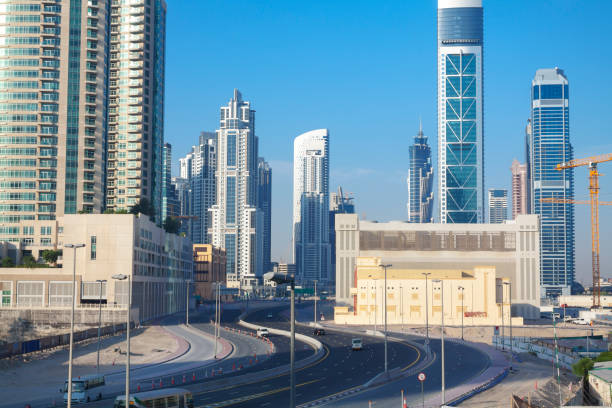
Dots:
{"x": 498, "y": 205}
{"x": 236, "y": 221}
{"x": 460, "y": 111}
{"x": 311, "y": 207}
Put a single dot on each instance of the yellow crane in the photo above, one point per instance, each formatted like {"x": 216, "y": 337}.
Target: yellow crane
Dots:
{"x": 591, "y": 162}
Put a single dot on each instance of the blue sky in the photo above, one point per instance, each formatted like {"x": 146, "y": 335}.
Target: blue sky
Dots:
{"x": 366, "y": 70}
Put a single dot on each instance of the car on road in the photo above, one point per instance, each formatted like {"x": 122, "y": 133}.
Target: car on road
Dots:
{"x": 582, "y": 322}
{"x": 269, "y": 315}
{"x": 356, "y": 344}
{"x": 319, "y": 332}
{"x": 263, "y": 332}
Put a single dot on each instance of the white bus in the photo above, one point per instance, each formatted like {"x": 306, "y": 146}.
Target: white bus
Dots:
{"x": 168, "y": 398}
{"x": 85, "y": 388}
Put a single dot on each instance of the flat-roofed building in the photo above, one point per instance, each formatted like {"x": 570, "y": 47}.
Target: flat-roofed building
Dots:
{"x": 512, "y": 249}
{"x": 475, "y": 293}
{"x": 158, "y": 263}
{"x": 208, "y": 270}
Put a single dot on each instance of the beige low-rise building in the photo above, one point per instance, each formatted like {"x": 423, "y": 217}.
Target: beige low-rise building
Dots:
{"x": 584, "y": 300}
{"x": 158, "y": 264}
{"x": 469, "y": 296}
{"x": 209, "y": 264}
{"x": 511, "y": 248}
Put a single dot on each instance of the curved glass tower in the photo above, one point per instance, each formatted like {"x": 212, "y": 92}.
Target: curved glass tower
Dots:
{"x": 460, "y": 111}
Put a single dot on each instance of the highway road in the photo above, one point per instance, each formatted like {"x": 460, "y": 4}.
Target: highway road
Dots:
{"x": 340, "y": 369}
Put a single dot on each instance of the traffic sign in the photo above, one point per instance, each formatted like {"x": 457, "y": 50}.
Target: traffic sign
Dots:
{"x": 421, "y": 377}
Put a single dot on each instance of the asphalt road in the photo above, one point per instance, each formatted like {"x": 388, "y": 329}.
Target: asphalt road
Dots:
{"x": 339, "y": 370}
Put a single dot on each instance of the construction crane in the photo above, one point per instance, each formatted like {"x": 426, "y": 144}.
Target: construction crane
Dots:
{"x": 595, "y": 203}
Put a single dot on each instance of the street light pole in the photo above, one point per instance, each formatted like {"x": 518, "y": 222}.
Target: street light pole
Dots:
{"x": 100, "y": 281}
{"x": 426, "y": 311}
{"x": 402, "y": 306}
{"x": 284, "y": 278}
{"x": 462, "y": 289}
{"x": 292, "y": 379}
{"x": 509, "y": 285}
{"x": 385, "y": 306}
{"x": 442, "y": 337}
{"x": 216, "y": 317}
{"x": 74, "y": 247}
{"x": 502, "y": 319}
{"x": 187, "y": 282}
{"x": 129, "y": 309}
{"x": 315, "y": 303}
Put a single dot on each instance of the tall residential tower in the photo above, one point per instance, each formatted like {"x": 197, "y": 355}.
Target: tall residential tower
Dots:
{"x": 460, "y": 111}
{"x": 264, "y": 202}
{"x": 550, "y": 145}
{"x": 136, "y": 104}
{"x": 520, "y": 189}
{"x": 312, "y": 250}
{"x": 236, "y": 220}
{"x": 420, "y": 180}
{"x": 498, "y": 206}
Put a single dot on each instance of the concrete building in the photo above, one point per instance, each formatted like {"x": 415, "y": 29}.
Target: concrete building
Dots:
{"x": 158, "y": 264}
{"x": 285, "y": 268}
{"x": 420, "y": 180}
{"x": 460, "y": 112}
{"x": 339, "y": 203}
{"x": 512, "y": 249}
{"x": 520, "y": 189}
{"x": 208, "y": 270}
{"x": 600, "y": 383}
{"x": 53, "y": 133}
{"x": 498, "y": 205}
{"x": 311, "y": 252}
{"x": 585, "y": 301}
{"x": 550, "y": 145}
{"x": 472, "y": 296}
{"x": 136, "y": 103}
{"x": 264, "y": 202}
{"x": 236, "y": 221}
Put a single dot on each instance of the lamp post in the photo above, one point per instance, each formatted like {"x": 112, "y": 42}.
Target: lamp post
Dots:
{"x": 385, "y": 306}
{"x": 100, "y": 281}
{"x": 426, "y": 274}
{"x": 283, "y": 278}
{"x": 509, "y": 285}
{"x": 442, "y": 336}
{"x": 121, "y": 277}
{"x": 402, "y": 306}
{"x": 502, "y": 319}
{"x": 375, "y": 300}
{"x": 462, "y": 289}
{"x": 217, "y": 314}
{"x": 315, "y": 303}
{"x": 187, "y": 282}
{"x": 74, "y": 247}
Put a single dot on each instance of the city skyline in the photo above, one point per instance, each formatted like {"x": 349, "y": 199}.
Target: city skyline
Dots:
{"x": 388, "y": 83}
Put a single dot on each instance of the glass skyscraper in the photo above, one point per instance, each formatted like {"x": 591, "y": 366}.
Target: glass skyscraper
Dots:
{"x": 460, "y": 111}
{"x": 237, "y": 222}
{"x": 420, "y": 180}
{"x": 549, "y": 145}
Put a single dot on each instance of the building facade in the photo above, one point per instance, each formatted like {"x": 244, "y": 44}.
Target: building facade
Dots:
{"x": 312, "y": 250}
{"x": 136, "y": 104}
{"x": 167, "y": 192}
{"x": 158, "y": 264}
{"x": 54, "y": 109}
{"x": 420, "y": 180}
{"x": 264, "y": 200}
{"x": 339, "y": 203}
{"x": 203, "y": 183}
{"x": 512, "y": 249}
{"x": 549, "y": 146}
{"x": 460, "y": 112}
{"x": 236, "y": 220}
{"x": 520, "y": 189}
{"x": 469, "y": 296}
{"x": 208, "y": 270}
{"x": 498, "y": 205}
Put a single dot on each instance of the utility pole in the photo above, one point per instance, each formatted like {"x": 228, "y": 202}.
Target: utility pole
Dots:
{"x": 100, "y": 281}
{"x": 385, "y": 306}
{"x": 69, "y": 390}
{"x": 426, "y": 274}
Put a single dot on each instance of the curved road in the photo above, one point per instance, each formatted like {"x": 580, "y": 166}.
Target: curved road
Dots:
{"x": 340, "y": 369}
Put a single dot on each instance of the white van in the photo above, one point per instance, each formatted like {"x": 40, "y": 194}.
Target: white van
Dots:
{"x": 263, "y": 332}
{"x": 356, "y": 344}
{"x": 85, "y": 388}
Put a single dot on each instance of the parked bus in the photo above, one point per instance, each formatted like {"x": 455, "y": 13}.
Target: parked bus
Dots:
{"x": 85, "y": 388}
{"x": 167, "y": 398}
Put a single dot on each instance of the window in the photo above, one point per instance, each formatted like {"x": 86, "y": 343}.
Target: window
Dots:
{"x": 60, "y": 293}
{"x": 5, "y": 293}
{"x": 30, "y": 293}
{"x": 93, "y": 247}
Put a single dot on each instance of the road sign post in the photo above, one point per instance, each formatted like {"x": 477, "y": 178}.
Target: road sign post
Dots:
{"x": 421, "y": 377}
